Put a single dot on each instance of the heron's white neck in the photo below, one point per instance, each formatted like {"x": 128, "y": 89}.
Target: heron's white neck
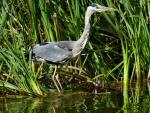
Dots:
{"x": 85, "y": 35}
{"x": 80, "y": 44}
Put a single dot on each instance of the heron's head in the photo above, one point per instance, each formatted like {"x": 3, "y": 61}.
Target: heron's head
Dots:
{"x": 99, "y": 8}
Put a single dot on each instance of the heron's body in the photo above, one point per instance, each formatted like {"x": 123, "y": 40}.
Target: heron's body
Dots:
{"x": 54, "y": 52}
{"x": 64, "y": 51}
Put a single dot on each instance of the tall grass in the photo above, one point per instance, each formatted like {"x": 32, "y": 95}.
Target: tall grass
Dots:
{"x": 119, "y": 43}
{"x": 4, "y": 16}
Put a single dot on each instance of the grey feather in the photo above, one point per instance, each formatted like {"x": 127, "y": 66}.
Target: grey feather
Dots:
{"x": 56, "y": 52}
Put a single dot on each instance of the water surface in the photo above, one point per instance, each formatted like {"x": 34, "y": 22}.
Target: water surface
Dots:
{"x": 81, "y": 102}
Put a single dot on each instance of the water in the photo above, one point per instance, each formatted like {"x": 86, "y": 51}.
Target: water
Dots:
{"x": 80, "y": 102}
{"x": 69, "y": 103}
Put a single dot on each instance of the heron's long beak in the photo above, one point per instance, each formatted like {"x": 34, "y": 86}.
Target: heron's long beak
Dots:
{"x": 103, "y": 8}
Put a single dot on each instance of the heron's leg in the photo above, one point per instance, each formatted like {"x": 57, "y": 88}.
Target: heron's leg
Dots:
{"x": 77, "y": 62}
{"x": 53, "y": 78}
{"x": 57, "y": 78}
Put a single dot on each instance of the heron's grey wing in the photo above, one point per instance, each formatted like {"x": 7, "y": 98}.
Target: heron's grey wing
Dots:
{"x": 52, "y": 53}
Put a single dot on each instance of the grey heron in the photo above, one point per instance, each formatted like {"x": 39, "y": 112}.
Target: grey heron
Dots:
{"x": 64, "y": 51}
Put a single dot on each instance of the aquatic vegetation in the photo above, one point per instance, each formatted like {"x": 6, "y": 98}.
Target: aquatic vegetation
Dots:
{"x": 119, "y": 45}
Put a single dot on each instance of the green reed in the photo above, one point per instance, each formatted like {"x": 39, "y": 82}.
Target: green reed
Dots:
{"x": 21, "y": 72}
{"x": 4, "y": 16}
{"x": 119, "y": 41}
{"x": 134, "y": 28}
